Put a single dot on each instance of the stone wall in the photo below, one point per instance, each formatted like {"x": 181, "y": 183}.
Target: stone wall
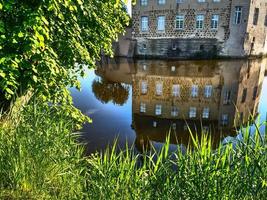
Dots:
{"x": 189, "y": 9}
{"x": 231, "y": 40}
{"x": 224, "y": 76}
{"x": 178, "y": 48}
{"x": 125, "y": 46}
{"x": 255, "y": 41}
{"x": 197, "y": 73}
{"x": 189, "y": 42}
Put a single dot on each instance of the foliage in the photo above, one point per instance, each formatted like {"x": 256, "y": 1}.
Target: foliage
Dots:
{"x": 39, "y": 156}
{"x": 41, "y": 42}
{"x": 107, "y": 91}
{"x": 40, "y": 159}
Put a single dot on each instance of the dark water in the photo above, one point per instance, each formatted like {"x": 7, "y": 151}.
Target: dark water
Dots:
{"x": 141, "y": 101}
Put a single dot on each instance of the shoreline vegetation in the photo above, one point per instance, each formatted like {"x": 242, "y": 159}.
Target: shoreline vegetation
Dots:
{"x": 41, "y": 159}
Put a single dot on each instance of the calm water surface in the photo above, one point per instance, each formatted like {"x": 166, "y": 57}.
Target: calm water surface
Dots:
{"x": 140, "y": 101}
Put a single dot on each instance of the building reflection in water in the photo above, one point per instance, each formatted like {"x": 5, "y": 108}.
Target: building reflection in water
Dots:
{"x": 215, "y": 97}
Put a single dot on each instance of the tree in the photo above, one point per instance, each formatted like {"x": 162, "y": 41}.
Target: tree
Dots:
{"x": 41, "y": 42}
{"x": 107, "y": 91}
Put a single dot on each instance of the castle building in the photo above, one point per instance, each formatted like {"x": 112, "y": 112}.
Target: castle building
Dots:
{"x": 217, "y": 96}
{"x": 199, "y": 28}
{"x": 213, "y": 96}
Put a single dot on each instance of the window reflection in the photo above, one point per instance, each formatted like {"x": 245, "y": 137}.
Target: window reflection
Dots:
{"x": 192, "y": 112}
{"x": 158, "y": 110}
{"x": 194, "y": 91}
{"x": 215, "y": 99}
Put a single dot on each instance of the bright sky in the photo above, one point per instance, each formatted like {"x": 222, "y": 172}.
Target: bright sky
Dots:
{"x": 129, "y": 7}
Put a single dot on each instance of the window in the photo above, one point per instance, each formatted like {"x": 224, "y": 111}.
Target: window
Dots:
{"x": 174, "y": 126}
{"x": 158, "y": 109}
{"x": 161, "y": 2}
{"x": 179, "y": 23}
{"x": 143, "y": 2}
{"x": 144, "y": 46}
{"x": 200, "y": 21}
{"x": 144, "y": 67}
{"x": 238, "y": 13}
{"x": 192, "y": 112}
{"x": 216, "y": 0}
{"x": 206, "y": 113}
{"x": 142, "y": 107}
{"x": 255, "y": 93}
{"x": 194, "y": 91}
{"x": 143, "y": 87}
{"x": 201, "y": 1}
{"x": 159, "y": 89}
{"x": 161, "y": 23}
{"x": 174, "y": 47}
{"x": 176, "y": 90}
{"x": 214, "y": 21}
{"x": 208, "y": 91}
{"x": 256, "y": 16}
{"x": 244, "y": 95}
{"x": 227, "y": 97}
{"x": 225, "y": 119}
{"x": 144, "y": 24}
{"x": 179, "y": 1}
{"x": 174, "y": 111}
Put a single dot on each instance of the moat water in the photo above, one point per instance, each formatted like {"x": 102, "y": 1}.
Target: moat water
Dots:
{"x": 139, "y": 102}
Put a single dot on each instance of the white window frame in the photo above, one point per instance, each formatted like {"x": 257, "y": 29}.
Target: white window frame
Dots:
{"x": 194, "y": 91}
{"x": 158, "y": 109}
{"x": 206, "y": 113}
{"x": 215, "y": 21}
{"x": 144, "y": 87}
{"x": 161, "y": 23}
{"x": 176, "y": 90}
{"x": 159, "y": 89}
{"x": 200, "y": 19}
{"x": 179, "y": 22}
{"x": 227, "y": 97}
{"x": 143, "y": 2}
{"x": 238, "y": 15}
{"x": 192, "y": 112}
{"x": 208, "y": 91}
{"x": 144, "y": 24}
{"x": 142, "y": 107}
{"x": 174, "y": 111}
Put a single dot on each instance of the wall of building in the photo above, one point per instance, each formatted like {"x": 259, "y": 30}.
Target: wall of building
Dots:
{"x": 255, "y": 42}
{"x": 230, "y": 39}
{"x": 224, "y": 76}
{"x": 125, "y": 46}
{"x": 250, "y": 79}
{"x": 189, "y": 42}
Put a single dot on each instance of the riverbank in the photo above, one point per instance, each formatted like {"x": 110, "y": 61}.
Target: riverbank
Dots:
{"x": 40, "y": 159}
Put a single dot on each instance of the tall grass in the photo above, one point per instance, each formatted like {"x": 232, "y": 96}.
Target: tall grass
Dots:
{"x": 40, "y": 159}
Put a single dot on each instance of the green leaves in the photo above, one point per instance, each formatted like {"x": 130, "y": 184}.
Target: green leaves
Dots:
{"x": 20, "y": 35}
{"x": 41, "y": 41}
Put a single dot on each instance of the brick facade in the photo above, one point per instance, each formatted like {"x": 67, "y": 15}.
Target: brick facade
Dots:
{"x": 228, "y": 39}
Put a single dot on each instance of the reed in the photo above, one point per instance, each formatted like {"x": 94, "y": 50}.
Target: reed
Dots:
{"x": 41, "y": 159}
